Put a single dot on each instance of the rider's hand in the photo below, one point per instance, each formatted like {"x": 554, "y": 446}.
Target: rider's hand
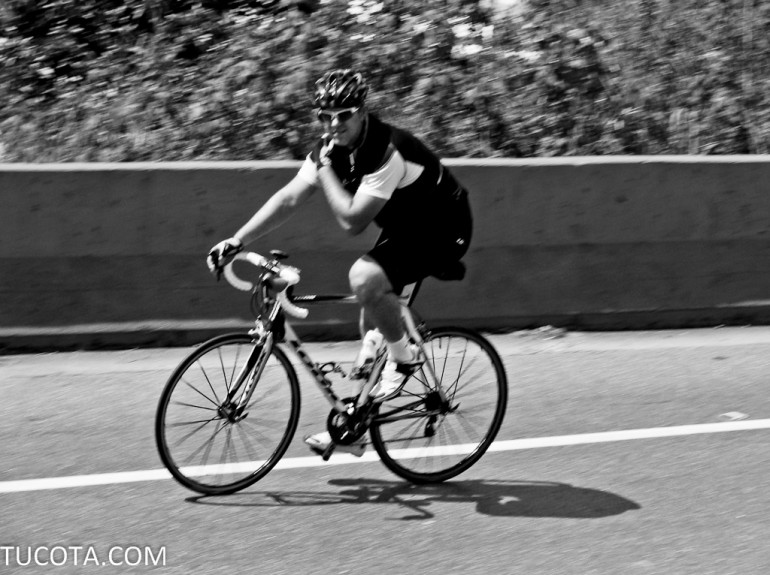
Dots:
{"x": 222, "y": 254}
{"x": 325, "y": 154}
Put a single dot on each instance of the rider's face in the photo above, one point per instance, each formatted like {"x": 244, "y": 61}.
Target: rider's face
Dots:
{"x": 343, "y": 125}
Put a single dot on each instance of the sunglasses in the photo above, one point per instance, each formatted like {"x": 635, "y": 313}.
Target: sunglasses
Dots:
{"x": 342, "y": 115}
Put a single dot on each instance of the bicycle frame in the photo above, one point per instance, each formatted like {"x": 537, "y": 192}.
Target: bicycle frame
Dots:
{"x": 253, "y": 397}
{"x": 264, "y": 340}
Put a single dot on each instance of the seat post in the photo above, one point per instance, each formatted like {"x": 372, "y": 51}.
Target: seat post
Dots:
{"x": 409, "y": 293}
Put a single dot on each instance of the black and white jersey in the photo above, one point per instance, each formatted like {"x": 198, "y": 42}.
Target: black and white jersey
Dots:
{"x": 394, "y": 165}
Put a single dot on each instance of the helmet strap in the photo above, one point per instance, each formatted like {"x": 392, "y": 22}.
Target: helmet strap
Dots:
{"x": 364, "y": 130}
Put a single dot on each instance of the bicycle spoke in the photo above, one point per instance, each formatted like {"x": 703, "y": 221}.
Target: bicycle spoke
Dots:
{"x": 409, "y": 430}
{"x": 203, "y": 395}
{"x": 206, "y": 447}
{"x": 422, "y": 380}
{"x": 224, "y": 372}
{"x": 470, "y": 424}
{"x": 435, "y": 446}
{"x": 446, "y": 358}
{"x": 234, "y": 447}
{"x": 193, "y": 406}
{"x": 194, "y": 431}
{"x": 249, "y": 447}
{"x": 226, "y": 448}
{"x": 470, "y": 380}
{"x": 193, "y": 422}
{"x": 211, "y": 387}
{"x": 262, "y": 433}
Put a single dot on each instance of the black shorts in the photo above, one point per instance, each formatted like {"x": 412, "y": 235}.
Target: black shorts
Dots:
{"x": 412, "y": 254}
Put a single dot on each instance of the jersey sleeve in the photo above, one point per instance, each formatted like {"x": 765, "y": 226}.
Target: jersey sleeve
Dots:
{"x": 383, "y": 182}
{"x": 308, "y": 171}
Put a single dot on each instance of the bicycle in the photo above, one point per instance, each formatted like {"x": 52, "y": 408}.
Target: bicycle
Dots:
{"x": 239, "y": 395}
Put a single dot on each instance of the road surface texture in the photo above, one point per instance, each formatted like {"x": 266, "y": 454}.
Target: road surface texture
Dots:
{"x": 621, "y": 454}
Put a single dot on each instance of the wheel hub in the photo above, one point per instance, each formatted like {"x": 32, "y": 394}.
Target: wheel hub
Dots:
{"x": 231, "y": 413}
{"x": 433, "y": 402}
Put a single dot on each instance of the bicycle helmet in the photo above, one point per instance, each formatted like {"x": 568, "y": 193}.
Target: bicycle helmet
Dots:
{"x": 340, "y": 89}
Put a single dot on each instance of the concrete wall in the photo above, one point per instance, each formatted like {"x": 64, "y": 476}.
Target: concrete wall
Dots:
{"x": 610, "y": 243}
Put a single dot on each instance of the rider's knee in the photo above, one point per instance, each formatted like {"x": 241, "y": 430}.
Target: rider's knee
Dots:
{"x": 366, "y": 280}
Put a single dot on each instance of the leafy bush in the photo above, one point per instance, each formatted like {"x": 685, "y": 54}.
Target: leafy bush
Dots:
{"x": 169, "y": 80}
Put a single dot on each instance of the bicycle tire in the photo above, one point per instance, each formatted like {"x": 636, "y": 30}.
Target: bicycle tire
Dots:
{"x": 473, "y": 377}
{"x": 189, "y": 408}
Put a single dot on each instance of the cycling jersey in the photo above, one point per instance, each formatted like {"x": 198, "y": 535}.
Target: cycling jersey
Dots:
{"x": 393, "y": 165}
{"x": 426, "y": 211}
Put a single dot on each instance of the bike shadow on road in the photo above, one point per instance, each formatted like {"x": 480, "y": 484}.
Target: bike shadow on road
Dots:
{"x": 491, "y": 497}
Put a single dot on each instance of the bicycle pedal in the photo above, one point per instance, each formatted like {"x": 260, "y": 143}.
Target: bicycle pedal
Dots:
{"x": 328, "y": 451}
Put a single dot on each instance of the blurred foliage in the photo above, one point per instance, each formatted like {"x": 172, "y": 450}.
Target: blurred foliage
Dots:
{"x": 170, "y": 80}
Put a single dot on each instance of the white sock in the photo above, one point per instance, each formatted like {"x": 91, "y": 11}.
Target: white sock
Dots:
{"x": 399, "y": 350}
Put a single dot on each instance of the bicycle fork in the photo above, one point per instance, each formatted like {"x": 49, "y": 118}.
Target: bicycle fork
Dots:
{"x": 233, "y": 409}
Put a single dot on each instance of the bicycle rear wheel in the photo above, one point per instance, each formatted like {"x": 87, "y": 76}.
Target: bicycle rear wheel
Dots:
{"x": 424, "y": 439}
{"x": 203, "y": 441}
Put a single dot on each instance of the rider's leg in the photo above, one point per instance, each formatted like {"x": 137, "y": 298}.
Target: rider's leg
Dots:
{"x": 382, "y": 309}
{"x": 380, "y": 306}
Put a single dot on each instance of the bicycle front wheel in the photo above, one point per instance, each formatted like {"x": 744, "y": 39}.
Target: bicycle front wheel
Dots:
{"x": 205, "y": 440}
{"x": 427, "y": 436}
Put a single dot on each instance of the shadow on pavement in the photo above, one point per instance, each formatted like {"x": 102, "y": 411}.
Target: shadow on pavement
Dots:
{"x": 494, "y": 498}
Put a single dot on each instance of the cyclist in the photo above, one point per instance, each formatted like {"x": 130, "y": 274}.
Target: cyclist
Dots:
{"x": 369, "y": 172}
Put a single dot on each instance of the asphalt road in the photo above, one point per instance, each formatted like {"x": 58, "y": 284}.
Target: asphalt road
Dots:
{"x": 672, "y": 494}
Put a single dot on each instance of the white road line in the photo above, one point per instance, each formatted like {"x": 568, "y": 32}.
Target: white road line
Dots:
{"x": 314, "y": 461}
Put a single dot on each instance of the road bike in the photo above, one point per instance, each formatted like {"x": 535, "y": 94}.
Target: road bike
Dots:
{"x": 229, "y": 411}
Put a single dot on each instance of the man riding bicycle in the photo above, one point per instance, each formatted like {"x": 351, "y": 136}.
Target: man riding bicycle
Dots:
{"x": 371, "y": 171}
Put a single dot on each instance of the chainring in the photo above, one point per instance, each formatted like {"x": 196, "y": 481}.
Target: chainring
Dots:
{"x": 349, "y": 426}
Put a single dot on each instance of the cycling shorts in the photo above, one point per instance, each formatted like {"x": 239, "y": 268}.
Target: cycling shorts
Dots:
{"x": 416, "y": 252}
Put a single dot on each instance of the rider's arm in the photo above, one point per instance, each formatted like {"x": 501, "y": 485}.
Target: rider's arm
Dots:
{"x": 276, "y": 210}
{"x": 354, "y": 213}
